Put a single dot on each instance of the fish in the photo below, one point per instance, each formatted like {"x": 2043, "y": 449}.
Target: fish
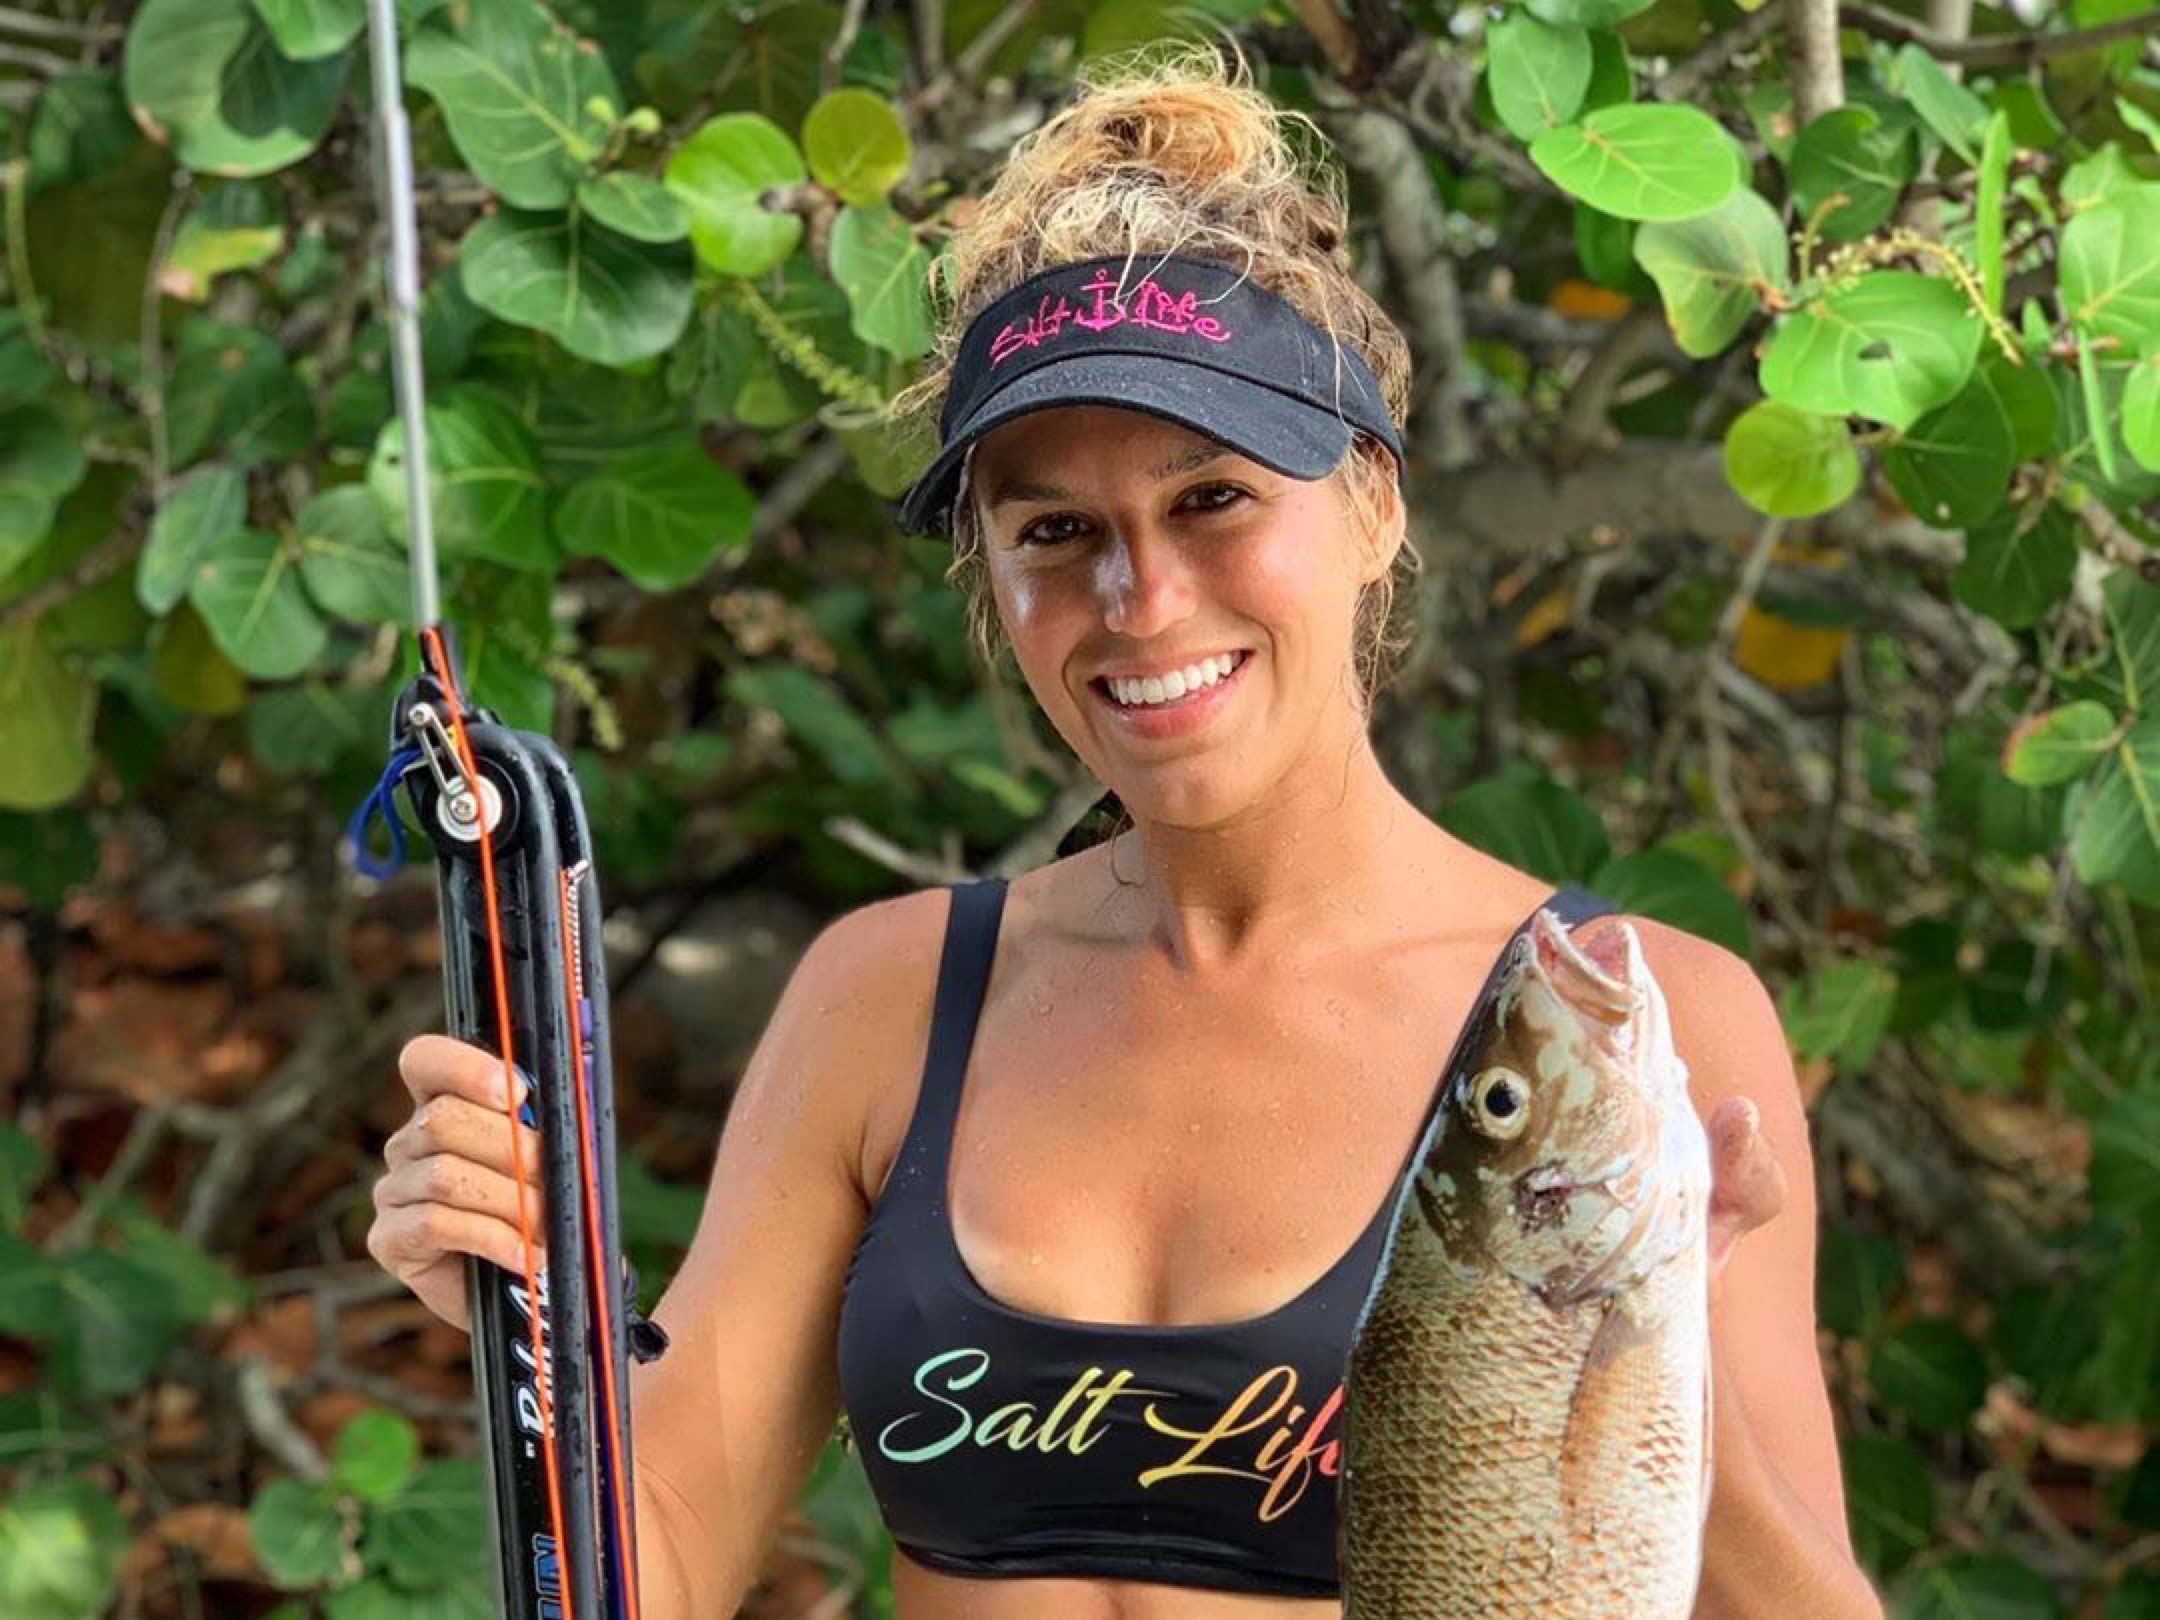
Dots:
{"x": 1526, "y": 1417}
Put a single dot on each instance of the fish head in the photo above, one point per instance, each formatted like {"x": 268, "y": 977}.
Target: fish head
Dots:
{"x": 1561, "y": 1152}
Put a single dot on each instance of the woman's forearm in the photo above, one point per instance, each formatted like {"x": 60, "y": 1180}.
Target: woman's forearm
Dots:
{"x": 1765, "y": 1551}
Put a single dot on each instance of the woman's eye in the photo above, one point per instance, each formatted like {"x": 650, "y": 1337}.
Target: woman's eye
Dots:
{"x": 1218, "y": 489}
{"x": 1033, "y": 535}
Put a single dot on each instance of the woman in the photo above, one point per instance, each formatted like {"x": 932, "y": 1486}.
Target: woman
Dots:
{"x": 1069, "y": 1188}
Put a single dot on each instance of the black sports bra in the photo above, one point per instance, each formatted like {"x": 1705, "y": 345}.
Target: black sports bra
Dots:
{"x": 1004, "y": 1443}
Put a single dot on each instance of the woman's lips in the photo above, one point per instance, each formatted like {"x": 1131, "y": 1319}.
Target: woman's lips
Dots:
{"x": 1178, "y": 717}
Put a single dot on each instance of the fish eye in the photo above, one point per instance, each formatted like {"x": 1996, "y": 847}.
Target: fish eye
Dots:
{"x": 1498, "y": 1102}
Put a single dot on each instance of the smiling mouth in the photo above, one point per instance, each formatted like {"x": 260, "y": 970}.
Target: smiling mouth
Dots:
{"x": 1102, "y": 688}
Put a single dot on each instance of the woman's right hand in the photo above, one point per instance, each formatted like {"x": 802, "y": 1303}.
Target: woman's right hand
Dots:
{"x": 450, "y": 1187}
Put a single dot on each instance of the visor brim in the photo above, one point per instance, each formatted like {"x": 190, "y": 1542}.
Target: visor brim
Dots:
{"x": 1283, "y": 434}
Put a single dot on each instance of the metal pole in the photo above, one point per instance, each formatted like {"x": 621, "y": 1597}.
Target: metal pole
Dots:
{"x": 401, "y": 283}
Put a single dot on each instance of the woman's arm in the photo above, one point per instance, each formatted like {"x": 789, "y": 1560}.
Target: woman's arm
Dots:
{"x": 1776, "y": 1541}
{"x": 727, "y": 1425}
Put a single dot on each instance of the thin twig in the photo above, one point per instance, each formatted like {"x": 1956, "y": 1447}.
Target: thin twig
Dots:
{"x": 836, "y": 53}
{"x": 32, "y": 26}
{"x": 1690, "y": 77}
{"x": 271, "y": 1424}
{"x": 146, "y": 1133}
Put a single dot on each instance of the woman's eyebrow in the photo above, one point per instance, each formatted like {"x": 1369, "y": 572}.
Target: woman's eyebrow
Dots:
{"x": 1186, "y": 461}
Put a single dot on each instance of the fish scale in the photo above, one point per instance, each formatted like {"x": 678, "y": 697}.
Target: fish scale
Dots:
{"x": 1525, "y": 1420}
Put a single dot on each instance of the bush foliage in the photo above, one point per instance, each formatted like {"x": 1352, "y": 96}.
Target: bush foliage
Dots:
{"x": 1786, "y": 460}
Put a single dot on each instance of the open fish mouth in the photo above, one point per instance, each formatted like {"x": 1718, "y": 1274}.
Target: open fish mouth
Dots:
{"x": 1599, "y": 974}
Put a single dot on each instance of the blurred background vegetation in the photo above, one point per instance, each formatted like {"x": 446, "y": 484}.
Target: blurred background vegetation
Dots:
{"x": 1785, "y": 461}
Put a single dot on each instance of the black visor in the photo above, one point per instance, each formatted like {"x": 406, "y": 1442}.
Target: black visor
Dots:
{"x": 1190, "y": 340}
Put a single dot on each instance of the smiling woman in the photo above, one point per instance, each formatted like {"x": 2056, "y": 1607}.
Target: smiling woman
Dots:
{"x": 1073, "y": 1188}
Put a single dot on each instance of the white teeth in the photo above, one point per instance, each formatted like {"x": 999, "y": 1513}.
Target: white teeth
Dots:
{"x": 1169, "y": 688}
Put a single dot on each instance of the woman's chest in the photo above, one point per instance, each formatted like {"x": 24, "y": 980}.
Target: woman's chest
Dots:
{"x": 1129, "y": 1150}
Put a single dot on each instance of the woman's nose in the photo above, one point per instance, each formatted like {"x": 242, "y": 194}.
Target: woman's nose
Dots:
{"x": 1144, "y": 584}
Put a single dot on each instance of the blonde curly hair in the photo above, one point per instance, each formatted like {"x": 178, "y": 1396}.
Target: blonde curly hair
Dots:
{"x": 1170, "y": 149}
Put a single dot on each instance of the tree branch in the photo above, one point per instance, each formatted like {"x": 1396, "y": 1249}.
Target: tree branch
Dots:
{"x": 1996, "y": 50}
{"x": 1328, "y": 27}
{"x": 1818, "y": 77}
{"x": 1413, "y": 239}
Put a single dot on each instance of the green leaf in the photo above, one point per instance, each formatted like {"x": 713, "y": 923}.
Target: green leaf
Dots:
{"x": 375, "y": 1455}
{"x": 1891, "y": 345}
{"x": 23, "y": 1163}
{"x": 29, "y": 1292}
{"x": 47, "y": 858}
{"x": 1953, "y": 112}
{"x": 2117, "y": 839}
{"x": 234, "y": 227}
{"x": 40, "y": 462}
{"x": 516, "y": 88}
{"x": 884, "y": 271}
{"x": 634, "y": 205}
{"x": 2125, "y": 1175}
{"x": 1788, "y": 463}
{"x": 306, "y": 730}
{"x": 1953, "y": 466}
{"x": 1929, "y": 1373}
{"x": 61, "y": 1543}
{"x": 1715, "y": 270}
{"x": 2126, "y": 1366}
{"x": 1612, "y": 79}
{"x": 603, "y": 297}
{"x": 349, "y": 561}
{"x": 202, "y": 1287}
{"x": 1988, "y": 210}
{"x": 1840, "y": 1012}
{"x": 855, "y": 144}
{"x": 232, "y": 388}
{"x": 2061, "y": 745}
{"x": 1853, "y": 153}
{"x": 299, "y": 1534}
{"x": 117, "y": 1319}
{"x": 1119, "y": 25}
{"x": 304, "y": 29}
{"x": 819, "y": 717}
{"x": 1857, "y": 1275}
{"x": 2141, "y": 410}
{"x": 1537, "y": 825}
{"x": 206, "y": 78}
{"x": 484, "y": 480}
{"x": 203, "y": 508}
{"x": 659, "y": 515}
{"x": 1967, "y": 1586}
{"x": 1642, "y": 161}
{"x": 719, "y": 174}
{"x": 189, "y": 670}
{"x": 2131, "y": 608}
{"x": 2017, "y": 565}
{"x": 1676, "y": 889}
{"x": 1586, "y": 13}
{"x": 247, "y": 589}
{"x": 422, "y": 1537}
{"x": 1606, "y": 248}
{"x": 46, "y": 710}
{"x": 1539, "y": 73}
{"x": 2110, "y": 267}
{"x": 1889, "y": 1501}
{"x": 2092, "y": 180}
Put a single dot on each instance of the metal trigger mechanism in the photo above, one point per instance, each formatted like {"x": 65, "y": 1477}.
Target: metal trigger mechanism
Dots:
{"x": 466, "y": 808}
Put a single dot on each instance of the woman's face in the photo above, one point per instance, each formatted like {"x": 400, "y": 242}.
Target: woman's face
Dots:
{"x": 1122, "y": 546}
